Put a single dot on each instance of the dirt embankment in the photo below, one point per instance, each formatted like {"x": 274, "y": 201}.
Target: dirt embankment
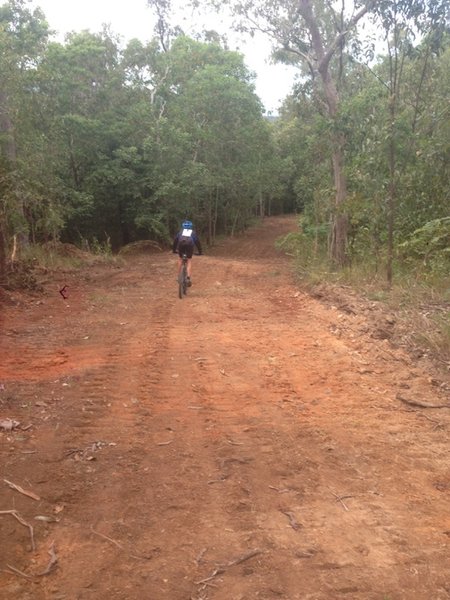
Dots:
{"x": 247, "y": 442}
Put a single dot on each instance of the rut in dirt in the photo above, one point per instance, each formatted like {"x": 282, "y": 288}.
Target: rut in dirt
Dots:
{"x": 234, "y": 445}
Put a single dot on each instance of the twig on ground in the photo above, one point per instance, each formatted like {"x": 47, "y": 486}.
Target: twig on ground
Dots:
{"x": 73, "y": 451}
{"x": 18, "y": 572}
{"x": 165, "y": 443}
{"x": 221, "y": 480}
{"x": 280, "y": 491}
{"x": 200, "y": 556}
{"x": 292, "y": 519}
{"x": 52, "y": 563}
{"x": 49, "y": 569}
{"x": 243, "y": 558}
{"x": 222, "y": 568}
{"x": 21, "y": 490}
{"x": 105, "y": 537}
{"x": 16, "y": 515}
{"x": 341, "y": 500}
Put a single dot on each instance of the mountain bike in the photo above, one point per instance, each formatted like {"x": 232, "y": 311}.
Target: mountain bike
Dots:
{"x": 183, "y": 278}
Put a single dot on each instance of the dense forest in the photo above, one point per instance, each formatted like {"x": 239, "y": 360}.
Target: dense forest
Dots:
{"x": 104, "y": 144}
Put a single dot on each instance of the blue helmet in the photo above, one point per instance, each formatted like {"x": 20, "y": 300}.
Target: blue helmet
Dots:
{"x": 187, "y": 225}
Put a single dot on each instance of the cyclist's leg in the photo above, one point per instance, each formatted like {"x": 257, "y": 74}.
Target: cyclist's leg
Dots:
{"x": 189, "y": 252}
{"x": 181, "y": 250}
{"x": 189, "y": 267}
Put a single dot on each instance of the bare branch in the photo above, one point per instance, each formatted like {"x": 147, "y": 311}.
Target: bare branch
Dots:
{"x": 325, "y": 61}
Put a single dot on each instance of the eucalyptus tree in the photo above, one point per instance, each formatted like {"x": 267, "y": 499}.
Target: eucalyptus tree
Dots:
{"x": 312, "y": 34}
{"x": 401, "y": 20}
{"x": 417, "y": 141}
{"x": 23, "y": 37}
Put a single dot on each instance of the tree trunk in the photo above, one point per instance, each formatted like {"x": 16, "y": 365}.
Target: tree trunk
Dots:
{"x": 261, "y": 204}
{"x": 233, "y": 229}
{"x": 338, "y": 245}
{"x": 2, "y": 256}
{"x": 323, "y": 55}
{"x": 391, "y": 194}
{"x": 9, "y": 151}
{"x": 338, "y": 248}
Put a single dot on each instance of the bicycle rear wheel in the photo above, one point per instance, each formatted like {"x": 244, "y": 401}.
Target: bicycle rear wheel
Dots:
{"x": 182, "y": 282}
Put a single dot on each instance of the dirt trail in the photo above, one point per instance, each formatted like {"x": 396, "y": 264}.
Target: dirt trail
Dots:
{"x": 240, "y": 444}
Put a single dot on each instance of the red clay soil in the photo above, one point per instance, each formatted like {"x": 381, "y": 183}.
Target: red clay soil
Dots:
{"x": 246, "y": 442}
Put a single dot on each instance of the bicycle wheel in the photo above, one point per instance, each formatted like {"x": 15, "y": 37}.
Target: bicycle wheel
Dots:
{"x": 185, "y": 285}
{"x": 182, "y": 282}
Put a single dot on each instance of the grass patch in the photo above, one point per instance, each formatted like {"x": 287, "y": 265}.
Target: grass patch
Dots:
{"x": 59, "y": 256}
{"x": 420, "y": 301}
{"x": 25, "y": 273}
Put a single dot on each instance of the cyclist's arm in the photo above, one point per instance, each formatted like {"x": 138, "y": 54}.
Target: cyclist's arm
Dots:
{"x": 199, "y": 246}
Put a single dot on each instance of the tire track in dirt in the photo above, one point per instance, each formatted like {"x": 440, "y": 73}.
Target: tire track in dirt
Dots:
{"x": 231, "y": 421}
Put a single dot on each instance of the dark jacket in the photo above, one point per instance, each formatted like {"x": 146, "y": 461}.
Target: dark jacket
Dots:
{"x": 193, "y": 240}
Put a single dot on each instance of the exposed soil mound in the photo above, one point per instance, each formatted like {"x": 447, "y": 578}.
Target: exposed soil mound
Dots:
{"x": 66, "y": 250}
{"x": 141, "y": 247}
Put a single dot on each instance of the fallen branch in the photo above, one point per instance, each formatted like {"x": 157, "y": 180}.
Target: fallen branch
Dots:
{"x": 222, "y": 568}
{"x": 421, "y": 404}
{"x": 21, "y": 490}
{"x": 16, "y": 515}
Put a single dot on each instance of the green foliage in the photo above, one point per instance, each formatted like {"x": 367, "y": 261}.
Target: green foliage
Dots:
{"x": 430, "y": 244}
{"x": 112, "y": 144}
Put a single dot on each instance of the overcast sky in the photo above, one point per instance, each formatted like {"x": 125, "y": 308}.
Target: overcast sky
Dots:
{"x": 133, "y": 19}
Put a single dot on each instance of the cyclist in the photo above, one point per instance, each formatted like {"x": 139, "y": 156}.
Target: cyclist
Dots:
{"x": 184, "y": 243}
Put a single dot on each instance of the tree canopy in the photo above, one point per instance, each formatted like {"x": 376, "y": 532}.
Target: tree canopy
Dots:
{"x": 101, "y": 142}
